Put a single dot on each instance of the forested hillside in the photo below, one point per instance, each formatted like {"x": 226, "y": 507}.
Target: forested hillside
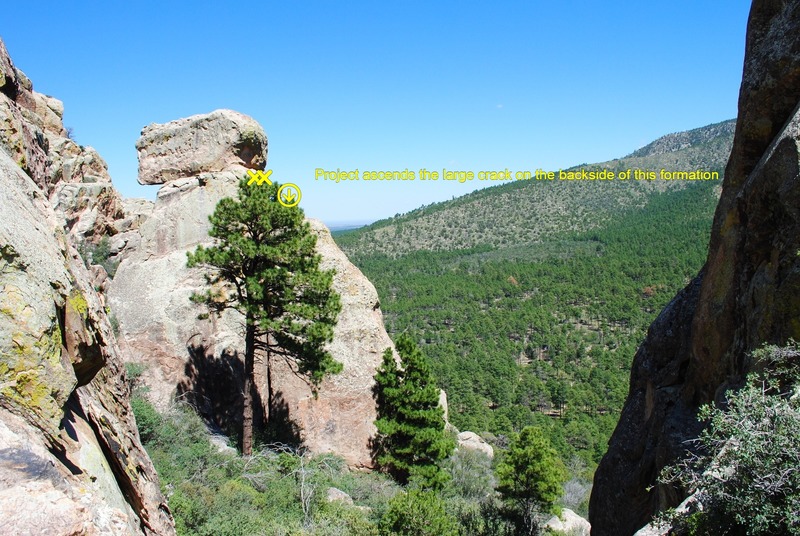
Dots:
{"x": 523, "y": 212}
{"x": 538, "y": 320}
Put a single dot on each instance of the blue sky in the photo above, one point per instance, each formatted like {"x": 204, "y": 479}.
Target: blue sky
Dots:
{"x": 387, "y": 85}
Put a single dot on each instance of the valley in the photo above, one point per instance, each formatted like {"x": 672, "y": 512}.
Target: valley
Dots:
{"x": 531, "y": 298}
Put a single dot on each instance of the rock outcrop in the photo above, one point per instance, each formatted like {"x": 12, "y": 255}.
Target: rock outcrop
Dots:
{"x": 188, "y": 147}
{"x": 472, "y": 441}
{"x": 747, "y": 294}
{"x": 75, "y": 178}
{"x": 200, "y": 160}
{"x": 70, "y": 457}
{"x": 569, "y": 523}
{"x": 340, "y": 418}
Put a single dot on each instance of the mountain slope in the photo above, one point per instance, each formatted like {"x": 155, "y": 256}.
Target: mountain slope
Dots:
{"x": 537, "y": 322}
{"x": 525, "y": 212}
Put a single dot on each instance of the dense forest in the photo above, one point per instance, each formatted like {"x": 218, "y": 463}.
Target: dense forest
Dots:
{"x": 531, "y": 298}
{"x": 544, "y": 334}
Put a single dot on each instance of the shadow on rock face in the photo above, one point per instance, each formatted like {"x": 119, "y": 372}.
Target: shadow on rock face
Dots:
{"x": 214, "y": 387}
{"x": 280, "y": 428}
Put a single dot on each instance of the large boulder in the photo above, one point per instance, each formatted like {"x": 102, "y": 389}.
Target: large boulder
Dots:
{"x": 472, "y": 441}
{"x": 569, "y": 523}
{"x": 747, "y": 294}
{"x": 199, "y": 144}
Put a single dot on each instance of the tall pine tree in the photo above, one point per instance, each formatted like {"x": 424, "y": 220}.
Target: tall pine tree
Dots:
{"x": 264, "y": 266}
{"x": 411, "y": 441}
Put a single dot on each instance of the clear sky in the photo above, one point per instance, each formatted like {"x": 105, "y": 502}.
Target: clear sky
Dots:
{"x": 387, "y": 85}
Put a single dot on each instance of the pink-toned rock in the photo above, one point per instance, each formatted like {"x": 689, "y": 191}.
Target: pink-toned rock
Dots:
{"x": 340, "y": 419}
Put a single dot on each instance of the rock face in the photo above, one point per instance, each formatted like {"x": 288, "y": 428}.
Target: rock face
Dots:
{"x": 748, "y": 292}
{"x": 199, "y": 360}
{"x": 75, "y": 178}
{"x": 569, "y": 523}
{"x": 472, "y": 441}
{"x": 213, "y": 142}
{"x": 70, "y": 457}
{"x": 340, "y": 419}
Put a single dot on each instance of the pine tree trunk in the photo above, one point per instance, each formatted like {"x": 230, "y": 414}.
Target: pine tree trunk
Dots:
{"x": 269, "y": 387}
{"x": 247, "y": 417}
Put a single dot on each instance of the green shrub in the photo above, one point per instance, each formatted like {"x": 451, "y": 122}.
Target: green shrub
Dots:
{"x": 148, "y": 419}
{"x": 485, "y": 517}
{"x": 100, "y": 254}
{"x": 134, "y": 373}
{"x": 417, "y": 513}
{"x": 746, "y": 478}
{"x": 471, "y": 474}
{"x": 341, "y": 520}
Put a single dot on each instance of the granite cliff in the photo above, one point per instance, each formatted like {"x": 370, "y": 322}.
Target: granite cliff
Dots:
{"x": 70, "y": 457}
{"x": 747, "y": 294}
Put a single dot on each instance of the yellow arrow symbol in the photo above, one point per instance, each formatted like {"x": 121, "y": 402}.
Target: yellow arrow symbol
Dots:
{"x": 289, "y": 195}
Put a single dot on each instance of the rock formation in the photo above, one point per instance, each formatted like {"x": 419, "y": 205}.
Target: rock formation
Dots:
{"x": 199, "y": 161}
{"x": 75, "y": 178}
{"x": 747, "y": 294}
{"x": 569, "y": 523}
{"x": 188, "y": 147}
{"x": 472, "y": 441}
{"x": 70, "y": 457}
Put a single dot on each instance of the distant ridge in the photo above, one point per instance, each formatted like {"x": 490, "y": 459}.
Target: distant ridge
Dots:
{"x": 519, "y": 213}
{"x": 681, "y": 140}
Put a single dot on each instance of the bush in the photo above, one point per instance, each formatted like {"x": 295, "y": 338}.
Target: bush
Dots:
{"x": 148, "y": 419}
{"x": 277, "y": 491}
{"x": 417, "y": 513}
{"x": 100, "y": 253}
{"x": 746, "y": 475}
{"x": 471, "y": 474}
{"x": 134, "y": 372}
{"x": 340, "y": 520}
{"x": 486, "y": 517}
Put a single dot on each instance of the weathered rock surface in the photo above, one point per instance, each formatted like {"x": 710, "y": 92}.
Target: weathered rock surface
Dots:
{"x": 569, "y": 523}
{"x": 337, "y": 495}
{"x": 70, "y": 457}
{"x": 340, "y": 419}
{"x": 213, "y": 142}
{"x": 75, "y": 178}
{"x": 748, "y": 293}
{"x": 472, "y": 441}
{"x": 199, "y": 360}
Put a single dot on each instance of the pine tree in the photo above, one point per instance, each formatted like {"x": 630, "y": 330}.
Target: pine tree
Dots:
{"x": 264, "y": 266}
{"x": 530, "y": 476}
{"x": 411, "y": 439}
